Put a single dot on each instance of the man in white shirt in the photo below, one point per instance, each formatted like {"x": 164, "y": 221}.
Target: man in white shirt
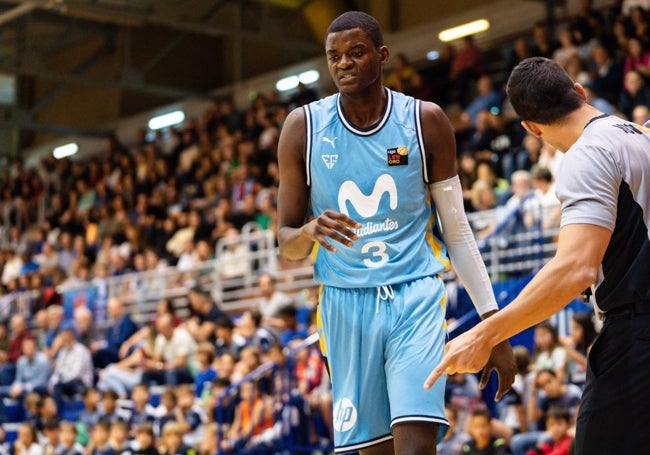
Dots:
{"x": 73, "y": 367}
{"x": 174, "y": 356}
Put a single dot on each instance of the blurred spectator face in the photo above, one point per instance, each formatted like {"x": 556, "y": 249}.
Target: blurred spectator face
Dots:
{"x": 532, "y": 144}
{"x": 168, "y": 400}
{"x": 118, "y": 434}
{"x": 467, "y": 163}
{"x": 109, "y": 404}
{"x": 171, "y": 439}
{"x": 26, "y": 435}
{"x": 479, "y": 428}
{"x": 140, "y": 396}
{"x": 165, "y": 326}
{"x": 557, "y": 427}
{"x": 49, "y": 409}
{"x": 484, "y": 172}
{"x": 484, "y": 85}
{"x": 521, "y": 184}
{"x": 65, "y": 240}
{"x": 145, "y": 440}
{"x": 550, "y": 384}
{"x": 226, "y": 365}
{"x": 266, "y": 285}
{"x": 40, "y": 320}
{"x": 600, "y": 55}
{"x": 68, "y": 435}
{"x": 29, "y": 348}
{"x": 52, "y": 433}
{"x": 633, "y": 82}
{"x": 185, "y": 399}
{"x": 248, "y": 391}
{"x": 100, "y": 435}
{"x": 114, "y": 308}
{"x": 17, "y": 324}
{"x": 67, "y": 338}
{"x": 451, "y": 418}
{"x": 54, "y": 316}
{"x": 634, "y": 47}
{"x": 543, "y": 338}
{"x": 640, "y": 114}
{"x": 91, "y": 399}
{"x": 203, "y": 250}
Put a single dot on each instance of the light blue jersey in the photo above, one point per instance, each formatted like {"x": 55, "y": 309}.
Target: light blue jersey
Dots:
{"x": 377, "y": 176}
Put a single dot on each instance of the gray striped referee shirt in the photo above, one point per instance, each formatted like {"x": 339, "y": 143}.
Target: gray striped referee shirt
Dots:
{"x": 604, "y": 179}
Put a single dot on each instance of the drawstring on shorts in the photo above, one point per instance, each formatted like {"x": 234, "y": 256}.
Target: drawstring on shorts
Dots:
{"x": 385, "y": 293}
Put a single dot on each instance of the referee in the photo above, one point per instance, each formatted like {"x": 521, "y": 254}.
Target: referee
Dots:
{"x": 603, "y": 183}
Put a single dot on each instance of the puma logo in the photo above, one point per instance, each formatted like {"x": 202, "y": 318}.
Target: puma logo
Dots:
{"x": 329, "y": 141}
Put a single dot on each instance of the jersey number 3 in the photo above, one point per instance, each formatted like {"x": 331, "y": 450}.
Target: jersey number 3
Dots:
{"x": 377, "y": 251}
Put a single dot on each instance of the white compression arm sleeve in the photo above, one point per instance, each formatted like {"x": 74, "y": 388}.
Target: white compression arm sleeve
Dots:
{"x": 467, "y": 261}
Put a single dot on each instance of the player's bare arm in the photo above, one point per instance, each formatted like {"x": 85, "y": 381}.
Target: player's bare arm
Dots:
{"x": 441, "y": 158}
{"x": 574, "y": 267}
{"x": 296, "y": 238}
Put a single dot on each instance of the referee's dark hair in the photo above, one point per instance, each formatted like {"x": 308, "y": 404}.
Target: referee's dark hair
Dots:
{"x": 541, "y": 91}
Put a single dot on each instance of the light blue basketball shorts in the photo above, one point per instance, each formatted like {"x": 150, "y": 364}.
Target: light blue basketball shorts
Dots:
{"x": 381, "y": 344}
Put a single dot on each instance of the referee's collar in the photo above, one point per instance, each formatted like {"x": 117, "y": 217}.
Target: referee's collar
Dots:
{"x": 593, "y": 119}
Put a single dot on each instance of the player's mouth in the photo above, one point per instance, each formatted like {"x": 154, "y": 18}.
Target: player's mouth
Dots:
{"x": 344, "y": 78}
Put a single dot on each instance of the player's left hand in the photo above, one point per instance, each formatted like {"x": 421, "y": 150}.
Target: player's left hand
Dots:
{"x": 503, "y": 361}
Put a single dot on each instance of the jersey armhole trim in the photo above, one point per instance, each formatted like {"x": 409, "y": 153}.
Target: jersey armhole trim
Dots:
{"x": 308, "y": 131}
{"x": 418, "y": 128}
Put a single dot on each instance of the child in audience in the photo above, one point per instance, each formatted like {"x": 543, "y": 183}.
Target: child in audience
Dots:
{"x": 146, "y": 440}
{"x": 99, "y": 444}
{"x": 558, "y": 425}
{"x": 27, "y": 441}
{"x": 68, "y": 444}
{"x": 482, "y": 441}
{"x": 90, "y": 414}
{"x": 189, "y": 416}
{"x": 172, "y": 441}
{"x": 455, "y": 439}
{"x": 118, "y": 437}
{"x": 165, "y": 412}
{"x": 548, "y": 352}
{"x": 142, "y": 412}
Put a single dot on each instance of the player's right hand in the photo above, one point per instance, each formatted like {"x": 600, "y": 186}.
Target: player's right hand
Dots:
{"x": 332, "y": 225}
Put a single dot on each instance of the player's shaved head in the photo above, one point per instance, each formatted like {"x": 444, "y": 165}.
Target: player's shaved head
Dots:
{"x": 356, "y": 19}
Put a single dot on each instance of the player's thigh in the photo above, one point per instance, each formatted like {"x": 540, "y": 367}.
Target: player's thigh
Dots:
{"x": 415, "y": 347}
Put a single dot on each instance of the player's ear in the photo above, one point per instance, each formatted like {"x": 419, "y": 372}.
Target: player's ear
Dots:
{"x": 531, "y": 127}
{"x": 384, "y": 54}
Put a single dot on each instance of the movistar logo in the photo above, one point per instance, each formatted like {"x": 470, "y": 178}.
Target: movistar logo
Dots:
{"x": 367, "y": 206}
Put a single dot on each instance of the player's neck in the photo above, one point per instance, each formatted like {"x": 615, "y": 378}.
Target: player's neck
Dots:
{"x": 364, "y": 109}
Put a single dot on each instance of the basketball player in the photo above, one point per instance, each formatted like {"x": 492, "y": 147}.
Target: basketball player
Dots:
{"x": 365, "y": 162}
{"x": 604, "y": 185}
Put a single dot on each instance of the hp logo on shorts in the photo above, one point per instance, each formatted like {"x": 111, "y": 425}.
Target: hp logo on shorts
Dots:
{"x": 345, "y": 415}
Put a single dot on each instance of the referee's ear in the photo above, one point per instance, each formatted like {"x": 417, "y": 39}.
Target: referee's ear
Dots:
{"x": 531, "y": 127}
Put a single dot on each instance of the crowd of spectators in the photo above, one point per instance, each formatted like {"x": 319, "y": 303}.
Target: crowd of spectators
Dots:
{"x": 165, "y": 200}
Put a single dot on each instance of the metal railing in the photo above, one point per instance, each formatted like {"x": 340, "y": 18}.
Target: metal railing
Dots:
{"x": 507, "y": 252}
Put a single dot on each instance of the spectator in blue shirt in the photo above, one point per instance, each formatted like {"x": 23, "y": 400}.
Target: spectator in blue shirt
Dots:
{"x": 205, "y": 354}
{"x": 32, "y": 373}
{"x": 292, "y": 330}
{"x": 120, "y": 329}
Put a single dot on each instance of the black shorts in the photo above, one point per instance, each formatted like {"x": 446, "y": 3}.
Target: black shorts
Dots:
{"x": 614, "y": 416}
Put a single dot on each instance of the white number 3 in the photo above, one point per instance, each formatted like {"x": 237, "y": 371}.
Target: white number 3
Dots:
{"x": 378, "y": 251}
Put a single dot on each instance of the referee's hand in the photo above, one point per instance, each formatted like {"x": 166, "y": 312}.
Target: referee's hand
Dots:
{"x": 467, "y": 353}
